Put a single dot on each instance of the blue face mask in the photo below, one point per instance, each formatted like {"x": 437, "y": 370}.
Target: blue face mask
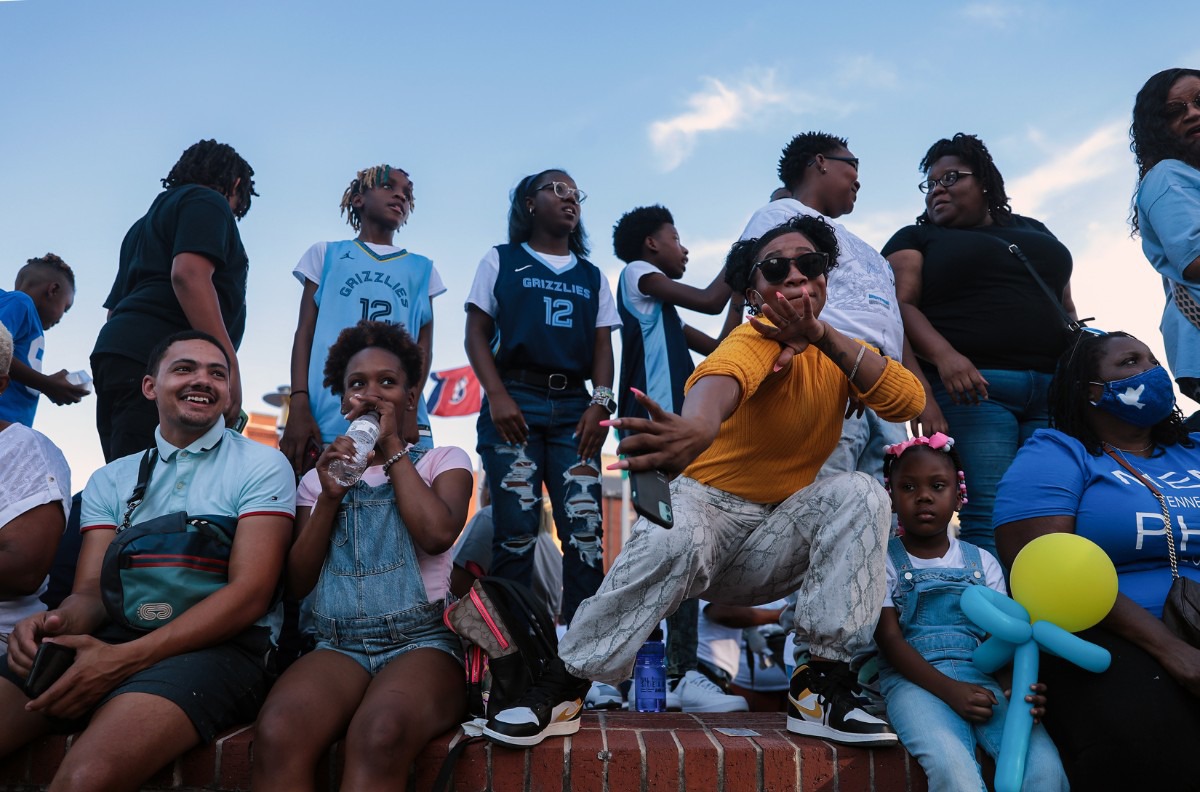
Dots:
{"x": 1142, "y": 400}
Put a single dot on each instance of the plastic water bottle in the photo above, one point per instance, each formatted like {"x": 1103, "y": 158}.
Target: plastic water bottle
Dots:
{"x": 650, "y": 676}
{"x": 364, "y": 431}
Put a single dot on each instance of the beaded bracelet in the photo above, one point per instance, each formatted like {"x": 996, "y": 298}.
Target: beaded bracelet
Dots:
{"x": 395, "y": 458}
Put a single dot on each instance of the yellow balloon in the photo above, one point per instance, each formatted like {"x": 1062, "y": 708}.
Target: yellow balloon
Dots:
{"x": 1064, "y": 579}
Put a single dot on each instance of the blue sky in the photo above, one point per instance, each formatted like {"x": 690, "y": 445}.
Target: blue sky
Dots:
{"x": 682, "y": 104}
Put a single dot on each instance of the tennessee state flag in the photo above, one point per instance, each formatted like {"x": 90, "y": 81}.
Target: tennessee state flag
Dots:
{"x": 455, "y": 392}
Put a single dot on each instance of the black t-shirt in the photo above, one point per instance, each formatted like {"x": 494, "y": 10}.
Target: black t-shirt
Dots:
{"x": 185, "y": 219}
{"x": 983, "y": 300}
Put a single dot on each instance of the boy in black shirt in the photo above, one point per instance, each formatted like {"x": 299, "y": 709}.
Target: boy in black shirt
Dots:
{"x": 182, "y": 267}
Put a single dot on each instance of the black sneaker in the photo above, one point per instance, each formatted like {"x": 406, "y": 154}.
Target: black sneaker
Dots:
{"x": 550, "y": 708}
{"x": 821, "y": 703}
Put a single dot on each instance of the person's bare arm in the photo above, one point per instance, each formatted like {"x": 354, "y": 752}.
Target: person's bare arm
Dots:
{"x": 960, "y": 377}
{"x": 192, "y": 280}
{"x": 506, "y": 415}
{"x": 741, "y": 616}
{"x": 54, "y": 386}
{"x": 27, "y": 545}
{"x": 301, "y": 424}
{"x": 710, "y": 300}
{"x": 589, "y": 430}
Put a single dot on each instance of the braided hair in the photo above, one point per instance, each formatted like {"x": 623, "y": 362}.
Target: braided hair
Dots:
{"x": 1069, "y": 400}
{"x": 1150, "y": 138}
{"x": 369, "y": 179}
{"x": 936, "y": 444}
{"x": 218, "y": 166}
{"x": 971, "y": 150}
{"x": 46, "y": 268}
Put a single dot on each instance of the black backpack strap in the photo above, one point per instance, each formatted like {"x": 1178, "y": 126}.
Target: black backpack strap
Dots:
{"x": 446, "y": 773}
{"x": 139, "y": 489}
{"x": 1072, "y": 325}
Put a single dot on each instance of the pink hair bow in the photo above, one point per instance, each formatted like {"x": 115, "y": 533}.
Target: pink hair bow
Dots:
{"x": 938, "y": 441}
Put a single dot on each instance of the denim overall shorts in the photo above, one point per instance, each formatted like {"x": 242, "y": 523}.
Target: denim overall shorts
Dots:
{"x": 927, "y": 602}
{"x": 370, "y": 601}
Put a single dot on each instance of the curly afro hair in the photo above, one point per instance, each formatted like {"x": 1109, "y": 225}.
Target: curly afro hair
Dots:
{"x": 630, "y": 232}
{"x": 744, "y": 253}
{"x": 383, "y": 335}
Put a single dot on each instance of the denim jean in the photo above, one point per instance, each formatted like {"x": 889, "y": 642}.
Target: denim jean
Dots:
{"x": 933, "y": 623}
{"x": 549, "y": 456}
{"x": 987, "y": 436}
{"x": 370, "y": 602}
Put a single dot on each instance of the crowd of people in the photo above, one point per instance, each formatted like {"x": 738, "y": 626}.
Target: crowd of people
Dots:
{"x": 799, "y": 497}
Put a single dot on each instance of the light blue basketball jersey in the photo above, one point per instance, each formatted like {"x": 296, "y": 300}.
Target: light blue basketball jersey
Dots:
{"x": 357, "y": 283}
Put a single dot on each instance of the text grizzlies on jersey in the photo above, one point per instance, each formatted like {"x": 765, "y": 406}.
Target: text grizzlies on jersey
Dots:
{"x": 366, "y": 276}
{"x": 556, "y": 286}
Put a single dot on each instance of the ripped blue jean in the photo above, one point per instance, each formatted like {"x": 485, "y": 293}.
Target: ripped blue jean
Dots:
{"x": 515, "y": 478}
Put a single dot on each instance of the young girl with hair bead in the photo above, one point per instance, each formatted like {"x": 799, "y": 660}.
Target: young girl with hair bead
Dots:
{"x": 940, "y": 704}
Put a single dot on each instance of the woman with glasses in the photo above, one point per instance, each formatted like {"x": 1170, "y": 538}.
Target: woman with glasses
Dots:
{"x": 1166, "y": 209}
{"x": 539, "y": 320}
{"x": 1117, "y": 441}
{"x": 751, "y": 523}
{"x": 984, "y": 329}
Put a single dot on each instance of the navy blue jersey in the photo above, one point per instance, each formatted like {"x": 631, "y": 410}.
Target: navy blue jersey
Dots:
{"x": 654, "y": 355}
{"x": 546, "y": 320}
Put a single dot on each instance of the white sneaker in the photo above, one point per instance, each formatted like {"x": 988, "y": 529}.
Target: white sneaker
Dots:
{"x": 602, "y": 697}
{"x": 698, "y": 693}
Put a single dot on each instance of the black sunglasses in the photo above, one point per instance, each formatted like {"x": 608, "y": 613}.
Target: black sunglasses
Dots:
{"x": 852, "y": 160}
{"x": 775, "y": 270}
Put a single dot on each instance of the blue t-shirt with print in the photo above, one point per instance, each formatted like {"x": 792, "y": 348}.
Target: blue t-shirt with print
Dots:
{"x": 1053, "y": 475}
{"x": 18, "y": 403}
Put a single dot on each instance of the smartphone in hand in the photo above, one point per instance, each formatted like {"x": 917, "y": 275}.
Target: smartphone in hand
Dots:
{"x": 650, "y": 491}
{"x": 51, "y": 662}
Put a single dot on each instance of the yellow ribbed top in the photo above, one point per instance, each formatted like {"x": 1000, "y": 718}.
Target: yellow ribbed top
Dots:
{"x": 787, "y": 423}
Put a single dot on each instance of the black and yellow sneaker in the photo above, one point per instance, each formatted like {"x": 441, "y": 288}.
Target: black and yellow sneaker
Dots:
{"x": 550, "y": 708}
{"x": 821, "y": 703}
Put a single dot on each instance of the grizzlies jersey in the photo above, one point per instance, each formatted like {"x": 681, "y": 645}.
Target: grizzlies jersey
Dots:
{"x": 547, "y": 319}
{"x": 654, "y": 355}
{"x": 358, "y": 283}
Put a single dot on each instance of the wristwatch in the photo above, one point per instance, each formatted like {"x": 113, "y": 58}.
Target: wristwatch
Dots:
{"x": 605, "y": 398}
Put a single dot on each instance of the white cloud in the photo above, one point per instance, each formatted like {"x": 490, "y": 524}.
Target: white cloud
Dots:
{"x": 718, "y": 107}
{"x": 1100, "y": 154}
{"x": 995, "y": 14}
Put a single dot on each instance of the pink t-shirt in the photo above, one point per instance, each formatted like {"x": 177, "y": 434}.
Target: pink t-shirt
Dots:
{"x": 435, "y": 569}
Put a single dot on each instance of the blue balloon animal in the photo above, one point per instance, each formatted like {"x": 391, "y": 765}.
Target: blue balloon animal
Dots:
{"x": 1014, "y": 638}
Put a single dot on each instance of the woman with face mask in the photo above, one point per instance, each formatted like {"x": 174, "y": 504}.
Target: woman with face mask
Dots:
{"x": 1116, "y": 434}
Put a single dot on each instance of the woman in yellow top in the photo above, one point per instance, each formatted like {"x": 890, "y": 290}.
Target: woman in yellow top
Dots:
{"x": 751, "y": 525}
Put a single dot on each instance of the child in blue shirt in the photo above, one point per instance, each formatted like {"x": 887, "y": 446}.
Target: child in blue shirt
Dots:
{"x": 44, "y": 291}
{"x": 366, "y": 278}
{"x": 940, "y": 704}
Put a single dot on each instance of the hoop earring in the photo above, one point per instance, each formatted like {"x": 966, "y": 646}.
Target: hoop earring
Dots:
{"x": 752, "y": 308}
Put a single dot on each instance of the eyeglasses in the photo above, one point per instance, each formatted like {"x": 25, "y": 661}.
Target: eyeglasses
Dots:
{"x": 776, "y": 269}
{"x": 852, "y": 160}
{"x": 1173, "y": 111}
{"x": 949, "y": 178}
{"x": 564, "y": 191}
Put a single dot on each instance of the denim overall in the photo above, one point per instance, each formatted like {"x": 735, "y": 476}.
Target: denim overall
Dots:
{"x": 932, "y": 621}
{"x": 370, "y": 601}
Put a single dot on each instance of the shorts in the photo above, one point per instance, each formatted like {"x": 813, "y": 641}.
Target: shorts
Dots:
{"x": 373, "y": 649}
{"x": 216, "y": 688}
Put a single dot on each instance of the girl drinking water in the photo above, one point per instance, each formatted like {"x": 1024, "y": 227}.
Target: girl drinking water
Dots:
{"x": 386, "y": 672}
{"x": 940, "y": 704}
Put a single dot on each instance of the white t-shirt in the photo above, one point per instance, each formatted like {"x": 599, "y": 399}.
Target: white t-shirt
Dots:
{"x": 34, "y": 472}
{"x": 723, "y": 646}
{"x": 435, "y": 569}
{"x": 312, "y": 264}
{"x": 635, "y": 298}
{"x": 483, "y": 288}
{"x": 861, "y": 295}
{"x": 993, "y": 574}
